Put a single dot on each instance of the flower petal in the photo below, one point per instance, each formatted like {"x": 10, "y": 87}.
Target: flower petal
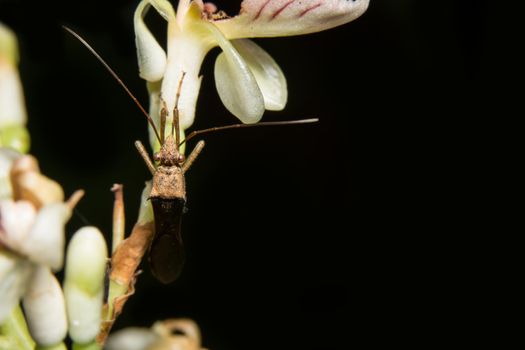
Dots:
{"x": 188, "y": 43}
{"x": 16, "y": 220}
{"x": 268, "y": 74}
{"x": 267, "y": 18}
{"x": 179, "y": 328}
{"x": 236, "y": 85}
{"x": 238, "y": 89}
{"x": 151, "y": 56}
{"x": 45, "y": 242}
{"x": 36, "y": 188}
{"x": 45, "y": 308}
{"x": 29, "y": 184}
{"x": 133, "y": 338}
{"x": 14, "y": 275}
{"x": 154, "y": 113}
{"x": 183, "y": 8}
{"x": 164, "y": 8}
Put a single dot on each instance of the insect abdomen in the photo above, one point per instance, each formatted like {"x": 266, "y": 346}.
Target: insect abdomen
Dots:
{"x": 166, "y": 255}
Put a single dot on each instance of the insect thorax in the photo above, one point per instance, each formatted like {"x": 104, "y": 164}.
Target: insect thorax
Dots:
{"x": 168, "y": 182}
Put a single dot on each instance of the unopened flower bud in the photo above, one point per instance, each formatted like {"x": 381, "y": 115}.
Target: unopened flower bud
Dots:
{"x": 8, "y": 45}
{"x": 45, "y": 309}
{"x": 12, "y": 107}
{"x": 84, "y": 283}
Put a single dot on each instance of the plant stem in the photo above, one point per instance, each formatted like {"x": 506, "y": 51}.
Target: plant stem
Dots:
{"x": 119, "y": 219}
{"x": 15, "y": 330}
{"x": 60, "y": 346}
{"x": 89, "y": 346}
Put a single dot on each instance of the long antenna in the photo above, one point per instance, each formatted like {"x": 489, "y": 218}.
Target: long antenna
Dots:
{"x": 163, "y": 114}
{"x": 238, "y": 126}
{"x": 117, "y": 78}
{"x": 175, "y": 126}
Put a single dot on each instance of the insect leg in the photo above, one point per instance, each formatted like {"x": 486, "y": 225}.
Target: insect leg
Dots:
{"x": 193, "y": 155}
{"x": 144, "y": 155}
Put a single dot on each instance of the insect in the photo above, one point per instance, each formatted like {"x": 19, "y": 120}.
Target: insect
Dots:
{"x": 168, "y": 193}
{"x": 168, "y": 197}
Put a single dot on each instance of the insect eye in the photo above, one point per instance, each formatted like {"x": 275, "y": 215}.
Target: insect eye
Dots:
{"x": 180, "y": 158}
{"x": 156, "y": 156}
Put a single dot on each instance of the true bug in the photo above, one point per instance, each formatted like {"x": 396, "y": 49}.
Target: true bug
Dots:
{"x": 168, "y": 198}
{"x": 168, "y": 193}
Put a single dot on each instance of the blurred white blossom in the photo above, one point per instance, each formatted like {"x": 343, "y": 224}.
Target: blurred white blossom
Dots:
{"x": 174, "y": 334}
{"x": 13, "y": 115}
{"x": 14, "y": 277}
{"x": 45, "y": 308}
{"x": 31, "y": 230}
{"x": 32, "y": 217}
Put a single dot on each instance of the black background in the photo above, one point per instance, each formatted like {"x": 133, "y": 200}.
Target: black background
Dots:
{"x": 300, "y": 237}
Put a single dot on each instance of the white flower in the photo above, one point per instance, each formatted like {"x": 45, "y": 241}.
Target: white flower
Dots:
{"x": 173, "y": 334}
{"x": 28, "y": 239}
{"x": 31, "y": 231}
{"x": 247, "y": 78}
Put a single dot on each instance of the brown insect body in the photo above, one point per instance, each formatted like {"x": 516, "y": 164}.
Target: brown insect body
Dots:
{"x": 168, "y": 180}
{"x": 168, "y": 198}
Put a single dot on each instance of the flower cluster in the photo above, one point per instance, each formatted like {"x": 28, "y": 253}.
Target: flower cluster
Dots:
{"x": 33, "y": 215}
{"x": 248, "y": 80}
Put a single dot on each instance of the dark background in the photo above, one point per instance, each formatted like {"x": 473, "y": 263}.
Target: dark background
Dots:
{"x": 299, "y": 237}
